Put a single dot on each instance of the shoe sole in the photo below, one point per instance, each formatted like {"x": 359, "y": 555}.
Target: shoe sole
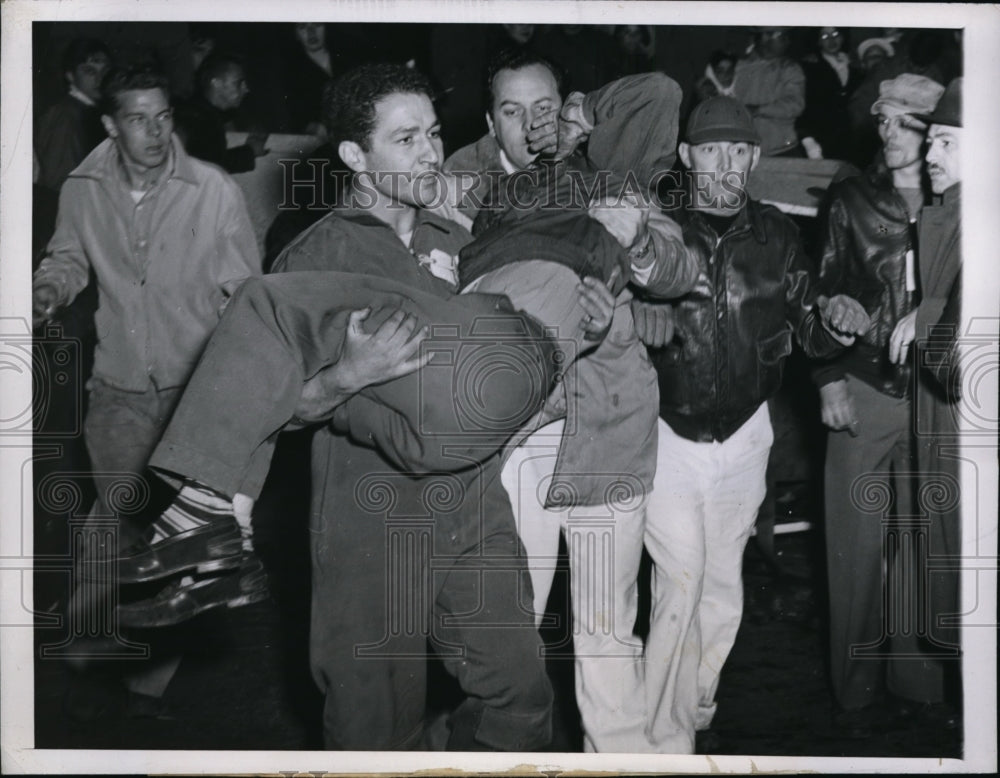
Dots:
{"x": 224, "y": 554}
{"x": 258, "y": 593}
{"x": 225, "y": 563}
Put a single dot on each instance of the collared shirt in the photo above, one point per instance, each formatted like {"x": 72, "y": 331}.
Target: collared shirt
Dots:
{"x": 165, "y": 266}
{"x": 508, "y": 166}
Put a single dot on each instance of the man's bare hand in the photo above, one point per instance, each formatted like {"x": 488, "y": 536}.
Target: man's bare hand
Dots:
{"x": 837, "y": 407}
{"x": 627, "y": 220}
{"x": 843, "y": 317}
{"x": 598, "y": 302}
{"x": 44, "y": 303}
{"x": 654, "y": 323}
{"x": 543, "y": 134}
{"x": 902, "y": 336}
{"x": 557, "y": 135}
{"x": 391, "y": 351}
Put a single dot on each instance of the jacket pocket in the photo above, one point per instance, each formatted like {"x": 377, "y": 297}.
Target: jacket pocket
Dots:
{"x": 771, "y": 354}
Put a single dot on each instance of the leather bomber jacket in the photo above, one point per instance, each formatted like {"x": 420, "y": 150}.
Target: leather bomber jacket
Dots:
{"x": 865, "y": 236}
{"x": 733, "y": 331}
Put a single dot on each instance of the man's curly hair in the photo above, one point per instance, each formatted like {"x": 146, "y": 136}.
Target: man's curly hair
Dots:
{"x": 349, "y": 100}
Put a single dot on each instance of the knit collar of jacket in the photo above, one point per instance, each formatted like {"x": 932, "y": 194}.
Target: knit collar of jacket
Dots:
{"x": 104, "y": 163}
{"x": 749, "y": 217}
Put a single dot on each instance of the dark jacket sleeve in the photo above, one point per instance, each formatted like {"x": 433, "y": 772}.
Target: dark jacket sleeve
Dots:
{"x": 635, "y": 125}
{"x": 800, "y": 303}
{"x": 939, "y": 354}
{"x": 59, "y": 147}
{"x": 835, "y": 258}
{"x": 239, "y": 159}
{"x": 205, "y": 138}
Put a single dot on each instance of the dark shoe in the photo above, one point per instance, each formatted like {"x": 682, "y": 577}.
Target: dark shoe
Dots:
{"x": 206, "y": 549}
{"x": 185, "y": 599}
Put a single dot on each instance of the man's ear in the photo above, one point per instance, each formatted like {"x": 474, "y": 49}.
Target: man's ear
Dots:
{"x": 489, "y": 123}
{"x": 109, "y": 126}
{"x": 353, "y": 155}
{"x": 685, "y": 153}
{"x": 756, "y": 158}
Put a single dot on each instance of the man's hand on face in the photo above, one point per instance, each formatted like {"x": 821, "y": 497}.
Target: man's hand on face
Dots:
{"x": 843, "y": 317}
{"x": 654, "y": 323}
{"x": 556, "y": 135}
{"x": 44, "y": 298}
{"x": 598, "y": 302}
{"x": 391, "y": 351}
{"x": 837, "y": 407}
{"x": 627, "y": 220}
{"x": 902, "y": 336}
{"x": 543, "y": 134}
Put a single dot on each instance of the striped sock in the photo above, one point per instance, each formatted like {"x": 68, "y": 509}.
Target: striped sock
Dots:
{"x": 194, "y": 506}
{"x": 242, "y": 510}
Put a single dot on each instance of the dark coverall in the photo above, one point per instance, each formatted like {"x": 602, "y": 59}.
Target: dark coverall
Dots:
{"x": 412, "y": 536}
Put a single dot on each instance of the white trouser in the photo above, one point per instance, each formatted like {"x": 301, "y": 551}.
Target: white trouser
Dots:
{"x": 605, "y": 545}
{"x": 700, "y": 515}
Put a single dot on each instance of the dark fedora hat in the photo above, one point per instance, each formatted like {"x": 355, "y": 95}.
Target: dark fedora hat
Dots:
{"x": 949, "y": 107}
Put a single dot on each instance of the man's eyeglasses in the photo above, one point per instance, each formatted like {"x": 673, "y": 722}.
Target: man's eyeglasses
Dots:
{"x": 829, "y": 35}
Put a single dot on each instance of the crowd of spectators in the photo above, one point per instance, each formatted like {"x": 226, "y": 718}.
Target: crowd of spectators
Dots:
{"x": 820, "y": 71}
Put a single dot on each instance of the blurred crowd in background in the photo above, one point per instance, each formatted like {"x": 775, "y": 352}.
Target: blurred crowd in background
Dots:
{"x": 286, "y": 65}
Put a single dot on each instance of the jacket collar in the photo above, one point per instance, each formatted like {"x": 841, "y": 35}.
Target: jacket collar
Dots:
{"x": 104, "y": 163}
{"x": 424, "y": 217}
{"x": 488, "y": 153}
{"x": 878, "y": 174}
{"x": 952, "y": 196}
{"x": 749, "y": 218}
{"x": 752, "y": 215}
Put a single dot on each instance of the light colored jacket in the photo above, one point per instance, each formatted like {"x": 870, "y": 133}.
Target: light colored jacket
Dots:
{"x": 164, "y": 266}
{"x": 777, "y": 90}
{"x": 611, "y": 402}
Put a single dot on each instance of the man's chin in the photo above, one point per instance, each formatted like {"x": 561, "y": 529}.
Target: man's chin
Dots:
{"x": 522, "y": 161}
{"x": 422, "y": 196}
